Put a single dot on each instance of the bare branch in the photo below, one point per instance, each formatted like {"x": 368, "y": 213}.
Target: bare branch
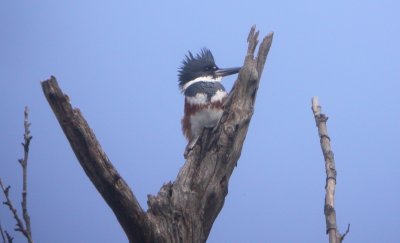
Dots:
{"x": 2, "y": 234}
{"x": 97, "y": 166}
{"x": 345, "y": 233}
{"x": 6, "y": 237}
{"x": 329, "y": 210}
{"x": 24, "y": 164}
{"x": 9, "y": 237}
{"x": 20, "y": 225}
{"x": 25, "y": 229}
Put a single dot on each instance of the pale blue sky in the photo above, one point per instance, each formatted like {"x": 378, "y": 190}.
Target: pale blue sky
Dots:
{"x": 118, "y": 63}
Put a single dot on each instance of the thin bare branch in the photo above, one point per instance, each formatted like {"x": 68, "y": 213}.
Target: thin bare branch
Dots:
{"x": 9, "y": 237}
{"x": 23, "y": 226}
{"x": 345, "y": 233}
{"x": 3, "y": 236}
{"x": 20, "y": 225}
{"x": 24, "y": 165}
{"x": 329, "y": 209}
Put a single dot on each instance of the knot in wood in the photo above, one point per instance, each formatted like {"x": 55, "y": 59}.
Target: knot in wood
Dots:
{"x": 329, "y": 209}
{"x": 325, "y": 136}
{"x": 322, "y": 118}
{"x": 230, "y": 130}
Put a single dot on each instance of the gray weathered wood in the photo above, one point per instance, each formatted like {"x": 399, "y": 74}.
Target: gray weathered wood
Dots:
{"x": 96, "y": 164}
{"x": 329, "y": 208}
{"x": 183, "y": 210}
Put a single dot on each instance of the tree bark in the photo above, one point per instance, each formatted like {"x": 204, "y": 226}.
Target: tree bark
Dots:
{"x": 184, "y": 210}
{"x": 97, "y": 166}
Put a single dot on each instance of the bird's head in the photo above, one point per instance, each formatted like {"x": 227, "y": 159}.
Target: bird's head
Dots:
{"x": 201, "y": 67}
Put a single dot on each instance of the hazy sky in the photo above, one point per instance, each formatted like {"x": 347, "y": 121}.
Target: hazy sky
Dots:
{"x": 118, "y": 63}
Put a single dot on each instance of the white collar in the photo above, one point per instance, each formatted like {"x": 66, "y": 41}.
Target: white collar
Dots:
{"x": 201, "y": 79}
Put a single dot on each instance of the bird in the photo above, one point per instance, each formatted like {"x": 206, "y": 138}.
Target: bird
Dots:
{"x": 200, "y": 82}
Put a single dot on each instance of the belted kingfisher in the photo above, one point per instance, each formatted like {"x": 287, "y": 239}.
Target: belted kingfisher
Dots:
{"x": 199, "y": 81}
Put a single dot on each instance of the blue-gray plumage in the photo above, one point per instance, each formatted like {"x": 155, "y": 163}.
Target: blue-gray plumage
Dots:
{"x": 208, "y": 88}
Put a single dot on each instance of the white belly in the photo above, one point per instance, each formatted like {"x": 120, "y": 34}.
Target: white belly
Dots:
{"x": 204, "y": 118}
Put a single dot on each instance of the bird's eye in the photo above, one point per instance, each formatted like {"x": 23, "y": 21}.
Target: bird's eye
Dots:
{"x": 213, "y": 68}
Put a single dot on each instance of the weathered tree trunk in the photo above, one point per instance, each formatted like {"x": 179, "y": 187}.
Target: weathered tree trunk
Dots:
{"x": 185, "y": 210}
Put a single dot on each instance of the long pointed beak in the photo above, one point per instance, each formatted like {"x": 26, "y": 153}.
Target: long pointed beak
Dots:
{"x": 222, "y": 72}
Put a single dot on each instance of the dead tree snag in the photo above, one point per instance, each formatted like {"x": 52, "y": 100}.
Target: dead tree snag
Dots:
{"x": 184, "y": 210}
